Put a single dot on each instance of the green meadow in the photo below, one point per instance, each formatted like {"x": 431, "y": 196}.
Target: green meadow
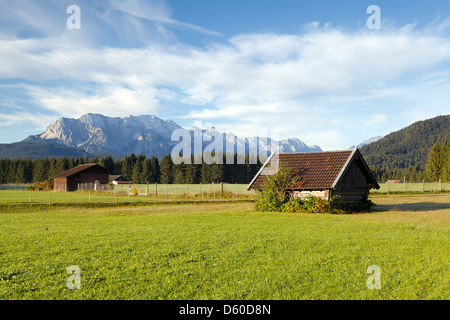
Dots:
{"x": 218, "y": 250}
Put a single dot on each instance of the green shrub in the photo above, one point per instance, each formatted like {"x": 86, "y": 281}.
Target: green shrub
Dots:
{"x": 41, "y": 186}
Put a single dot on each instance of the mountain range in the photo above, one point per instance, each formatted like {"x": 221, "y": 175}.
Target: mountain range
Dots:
{"x": 96, "y": 135}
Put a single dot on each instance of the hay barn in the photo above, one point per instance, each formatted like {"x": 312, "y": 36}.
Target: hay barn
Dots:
{"x": 86, "y": 173}
{"x": 322, "y": 174}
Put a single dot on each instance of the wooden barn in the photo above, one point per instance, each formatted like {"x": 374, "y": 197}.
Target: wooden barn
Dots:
{"x": 322, "y": 174}
{"x": 85, "y": 173}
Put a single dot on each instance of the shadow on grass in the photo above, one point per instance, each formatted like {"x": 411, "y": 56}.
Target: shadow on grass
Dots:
{"x": 419, "y": 206}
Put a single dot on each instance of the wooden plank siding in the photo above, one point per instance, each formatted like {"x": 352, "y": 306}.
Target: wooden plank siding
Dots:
{"x": 70, "y": 179}
{"x": 353, "y": 185}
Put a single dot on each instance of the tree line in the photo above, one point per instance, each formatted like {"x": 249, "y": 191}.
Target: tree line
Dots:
{"x": 438, "y": 164}
{"x": 141, "y": 169}
{"x": 437, "y": 167}
{"x": 137, "y": 168}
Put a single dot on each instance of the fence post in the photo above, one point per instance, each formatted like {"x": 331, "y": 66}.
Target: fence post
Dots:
{"x": 236, "y": 192}
{"x": 49, "y": 198}
{"x": 156, "y": 189}
{"x": 117, "y": 199}
{"x": 440, "y": 185}
{"x": 221, "y": 188}
{"x": 387, "y": 183}
{"x": 404, "y": 182}
{"x": 166, "y": 190}
{"x": 187, "y": 191}
{"x": 201, "y": 191}
{"x": 89, "y": 195}
{"x": 423, "y": 185}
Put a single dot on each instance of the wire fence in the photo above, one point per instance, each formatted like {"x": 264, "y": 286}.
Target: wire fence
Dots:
{"x": 180, "y": 189}
{"x": 402, "y": 186}
{"x": 91, "y": 193}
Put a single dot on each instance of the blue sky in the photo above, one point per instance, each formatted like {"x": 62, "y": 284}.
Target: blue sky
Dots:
{"x": 305, "y": 69}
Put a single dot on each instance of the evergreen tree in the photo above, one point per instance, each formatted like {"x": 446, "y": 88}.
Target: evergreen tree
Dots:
{"x": 137, "y": 169}
{"x": 4, "y": 169}
{"x": 205, "y": 172}
{"x": 166, "y": 169}
{"x": 434, "y": 163}
{"x": 192, "y": 172}
{"x": 12, "y": 171}
{"x": 117, "y": 166}
{"x": 52, "y": 169}
{"x": 179, "y": 173}
{"x": 154, "y": 170}
{"x": 62, "y": 164}
{"x": 28, "y": 171}
{"x": 108, "y": 163}
{"x": 445, "y": 158}
{"x": 39, "y": 170}
{"x": 127, "y": 168}
{"x": 72, "y": 163}
{"x": 19, "y": 172}
{"x": 145, "y": 173}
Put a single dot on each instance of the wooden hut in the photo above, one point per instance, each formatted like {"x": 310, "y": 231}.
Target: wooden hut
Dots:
{"x": 71, "y": 179}
{"x": 118, "y": 179}
{"x": 322, "y": 174}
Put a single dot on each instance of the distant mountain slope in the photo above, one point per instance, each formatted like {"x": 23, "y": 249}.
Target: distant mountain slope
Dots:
{"x": 408, "y": 146}
{"x": 148, "y": 135}
{"x": 32, "y": 150}
{"x": 370, "y": 140}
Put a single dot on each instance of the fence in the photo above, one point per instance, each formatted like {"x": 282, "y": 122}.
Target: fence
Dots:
{"x": 95, "y": 187}
{"x": 12, "y": 187}
{"x": 412, "y": 187}
{"x": 183, "y": 189}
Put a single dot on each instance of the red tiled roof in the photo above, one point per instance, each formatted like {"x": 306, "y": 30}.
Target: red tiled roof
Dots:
{"x": 312, "y": 171}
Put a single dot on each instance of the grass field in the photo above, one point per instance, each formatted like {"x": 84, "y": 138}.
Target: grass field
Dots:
{"x": 226, "y": 251}
{"x": 428, "y": 187}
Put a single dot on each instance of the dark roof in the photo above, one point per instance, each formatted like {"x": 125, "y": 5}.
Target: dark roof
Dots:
{"x": 118, "y": 178}
{"x": 78, "y": 169}
{"x": 314, "y": 170}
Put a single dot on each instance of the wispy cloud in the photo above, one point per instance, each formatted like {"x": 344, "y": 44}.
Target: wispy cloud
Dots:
{"x": 298, "y": 84}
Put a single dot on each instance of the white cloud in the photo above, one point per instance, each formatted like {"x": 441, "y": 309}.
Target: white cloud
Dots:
{"x": 298, "y": 84}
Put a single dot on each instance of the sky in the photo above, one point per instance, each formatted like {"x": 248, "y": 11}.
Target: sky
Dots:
{"x": 321, "y": 71}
